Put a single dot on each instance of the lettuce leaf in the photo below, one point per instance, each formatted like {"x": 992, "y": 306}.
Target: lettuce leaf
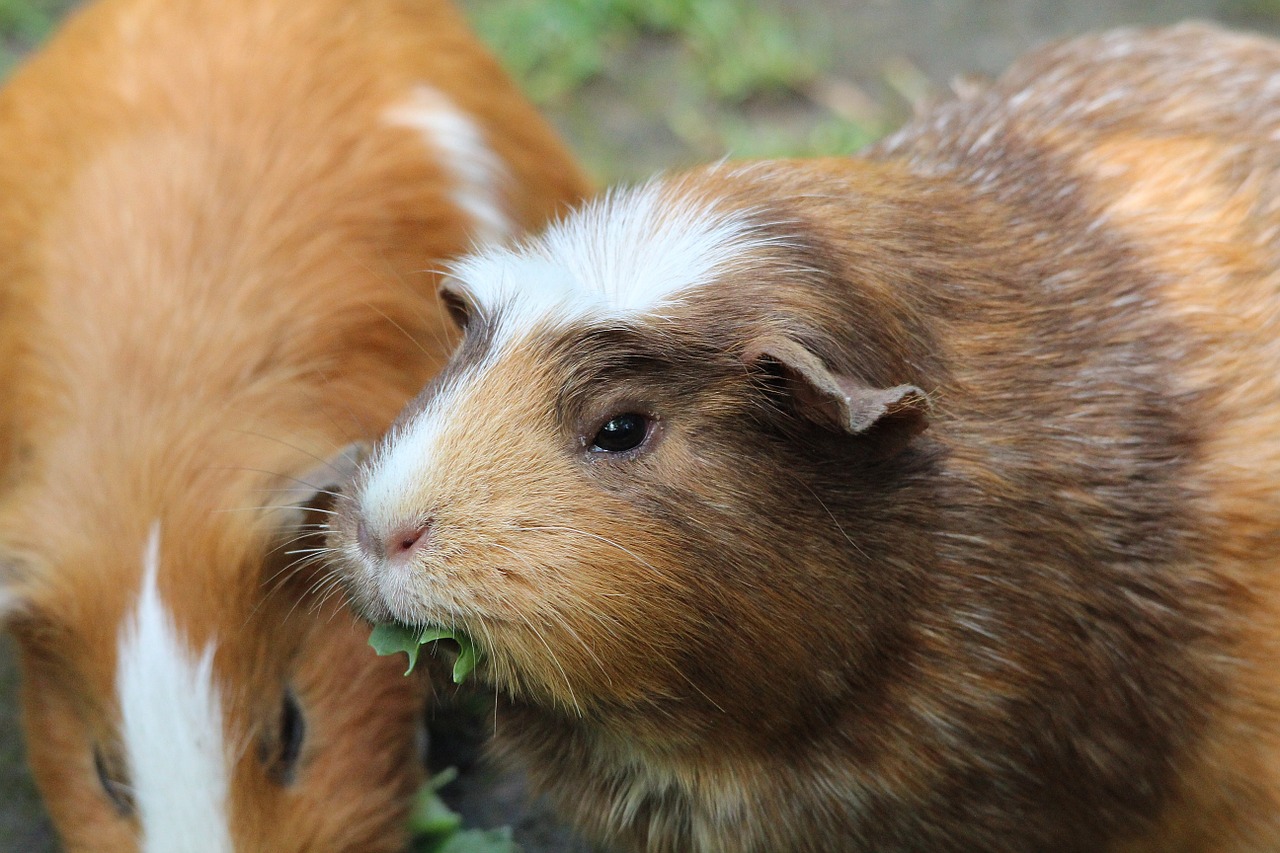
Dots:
{"x": 436, "y": 828}
{"x": 389, "y": 639}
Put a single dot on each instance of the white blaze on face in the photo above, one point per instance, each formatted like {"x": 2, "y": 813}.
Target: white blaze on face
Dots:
{"x": 623, "y": 258}
{"x": 478, "y": 174}
{"x": 172, "y": 727}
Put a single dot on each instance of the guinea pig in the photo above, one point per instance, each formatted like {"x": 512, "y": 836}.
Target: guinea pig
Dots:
{"x": 919, "y": 501}
{"x": 220, "y": 222}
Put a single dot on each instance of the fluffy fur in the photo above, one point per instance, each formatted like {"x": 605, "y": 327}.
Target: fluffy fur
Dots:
{"x": 953, "y": 528}
{"x": 217, "y": 268}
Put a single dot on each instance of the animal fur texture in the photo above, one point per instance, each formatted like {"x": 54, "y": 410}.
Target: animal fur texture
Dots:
{"x": 952, "y": 523}
{"x": 221, "y": 224}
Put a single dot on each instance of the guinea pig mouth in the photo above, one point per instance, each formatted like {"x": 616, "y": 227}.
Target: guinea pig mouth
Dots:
{"x": 389, "y": 638}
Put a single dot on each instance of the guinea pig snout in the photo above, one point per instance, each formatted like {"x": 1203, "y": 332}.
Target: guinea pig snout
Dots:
{"x": 397, "y": 544}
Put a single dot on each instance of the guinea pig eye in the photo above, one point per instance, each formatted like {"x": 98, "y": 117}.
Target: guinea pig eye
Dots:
{"x": 113, "y": 784}
{"x": 621, "y": 433}
{"x": 280, "y": 753}
{"x": 456, "y": 304}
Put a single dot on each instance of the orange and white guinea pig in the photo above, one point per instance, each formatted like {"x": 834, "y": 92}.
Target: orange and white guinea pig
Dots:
{"x": 219, "y": 221}
{"x": 927, "y": 500}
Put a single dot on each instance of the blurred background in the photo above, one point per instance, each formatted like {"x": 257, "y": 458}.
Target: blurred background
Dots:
{"x": 638, "y": 86}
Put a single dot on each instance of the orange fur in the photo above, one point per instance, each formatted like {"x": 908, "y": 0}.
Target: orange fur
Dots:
{"x": 1221, "y": 281}
{"x": 217, "y": 267}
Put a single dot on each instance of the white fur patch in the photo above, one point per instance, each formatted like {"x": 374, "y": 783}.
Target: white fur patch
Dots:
{"x": 620, "y": 257}
{"x": 172, "y": 727}
{"x": 478, "y": 173}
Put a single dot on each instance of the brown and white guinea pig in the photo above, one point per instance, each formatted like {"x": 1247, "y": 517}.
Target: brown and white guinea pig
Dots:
{"x": 218, "y": 223}
{"x": 923, "y": 501}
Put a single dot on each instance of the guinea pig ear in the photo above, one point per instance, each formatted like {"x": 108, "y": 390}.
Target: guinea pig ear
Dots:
{"x": 841, "y": 403}
{"x": 456, "y": 301}
{"x": 310, "y": 497}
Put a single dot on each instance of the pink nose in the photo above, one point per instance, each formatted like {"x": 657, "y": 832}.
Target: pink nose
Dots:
{"x": 406, "y": 540}
{"x": 401, "y": 542}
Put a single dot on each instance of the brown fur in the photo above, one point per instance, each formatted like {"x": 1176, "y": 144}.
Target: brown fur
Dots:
{"x": 217, "y": 268}
{"x": 1047, "y": 623}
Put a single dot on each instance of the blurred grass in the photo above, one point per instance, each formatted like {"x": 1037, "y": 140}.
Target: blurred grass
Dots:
{"x": 700, "y": 79}
{"x": 734, "y": 49}
{"x": 24, "y": 23}
{"x": 1254, "y": 9}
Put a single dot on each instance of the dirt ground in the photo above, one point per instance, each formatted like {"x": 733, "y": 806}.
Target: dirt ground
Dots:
{"x": 884, "y": 54}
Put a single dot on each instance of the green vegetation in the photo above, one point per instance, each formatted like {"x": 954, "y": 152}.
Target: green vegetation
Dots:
{"x": 734, "y": 49}
{"x": 437, "y": 828}
{"x": 23, "y": 23}
{"x": 389, "y": 639}
{"x": 1265, "y": 10}
{"x": 697, "y": 79}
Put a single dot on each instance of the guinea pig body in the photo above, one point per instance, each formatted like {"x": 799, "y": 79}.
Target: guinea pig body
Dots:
{"x": 218, "y": 222}
{"x": 924, "y": 501}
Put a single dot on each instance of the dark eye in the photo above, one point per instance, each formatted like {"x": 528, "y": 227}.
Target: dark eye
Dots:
{"x": 112, "y": 781}
{"x": 280, "y": 753}
{"x": 457, "y": 306}
{"x": 621, "y": 433}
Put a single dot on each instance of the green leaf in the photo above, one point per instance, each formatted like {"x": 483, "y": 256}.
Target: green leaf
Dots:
{"x": 430, "y": 816}
{"x": 436, "y": 828}
{"x": 388, "y": 639}
{"x": 480, "y": 841}
{"x": 444, "y": 777}
{"x": 466, "y": 661}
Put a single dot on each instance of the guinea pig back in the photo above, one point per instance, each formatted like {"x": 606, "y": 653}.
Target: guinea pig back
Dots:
{"x": 220, "y": 222}
{"x": 920, "y": 501}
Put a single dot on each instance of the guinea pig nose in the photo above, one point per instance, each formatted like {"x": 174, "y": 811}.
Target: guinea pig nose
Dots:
{"x": 402, "y": 540}
{"x": 405, "y": 540}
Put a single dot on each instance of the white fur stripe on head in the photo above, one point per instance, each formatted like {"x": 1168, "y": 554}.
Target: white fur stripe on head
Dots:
{"x": 622, "y": 256}
{"x": 172, "y": 727}
{"x": 478, "y": 174}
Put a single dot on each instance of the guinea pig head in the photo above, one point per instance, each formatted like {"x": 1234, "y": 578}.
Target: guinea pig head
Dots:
{"x": 192, "y": 683}
{"x": 622, "y": 485}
